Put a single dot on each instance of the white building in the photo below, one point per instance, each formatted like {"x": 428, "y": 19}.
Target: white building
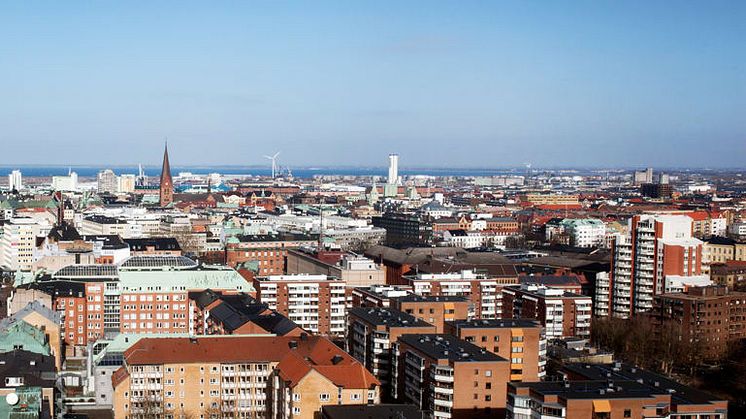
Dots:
{"x": 18, "y": 244}
{"x": 126, "y": 183}
{"x": 67, "y": 183}
{"x": 583, "y": 232}
{"x": 15, "y": 180}
{"x": 107, "y": 182}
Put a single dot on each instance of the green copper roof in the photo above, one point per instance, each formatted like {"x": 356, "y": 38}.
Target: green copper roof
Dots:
{"x": 21, "y": 335}
{"x": 183, "y": 280}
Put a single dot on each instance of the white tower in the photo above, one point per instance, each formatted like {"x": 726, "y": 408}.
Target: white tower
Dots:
{"x": 393, "y": 169}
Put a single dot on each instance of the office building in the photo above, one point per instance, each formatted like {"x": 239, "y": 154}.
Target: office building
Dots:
{"x": 18, "y": 243}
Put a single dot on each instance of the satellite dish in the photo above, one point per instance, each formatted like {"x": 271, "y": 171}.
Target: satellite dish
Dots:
{"x": 12, "y": 399}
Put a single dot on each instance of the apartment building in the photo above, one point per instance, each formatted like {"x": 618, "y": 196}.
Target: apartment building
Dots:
{"x": 105, "y": 225}
{"x": 731, "y": 274}
{"x": 721, "y": 250}
{"x": 371, "y": 332}
{"x": 18, "y": 243}
{"x": 562, "y": 313}
{"x": 658, "y": 246}
{"x": 269, "y": 251}
{"x": 436, "y": 310}
{"x": 237, "y": 376}
{"x": 448, "y": 376}
{"x": 582, "y": 232}
{"x": 378, "y": 295}
{"x": 230, "y": 313}
{"x": 711, "y": 316}
{"x": 482, "y": 289}
{"x": 317, "y": 303}
{"x": 521, "y": 341}
{"x": 611, "y": 391}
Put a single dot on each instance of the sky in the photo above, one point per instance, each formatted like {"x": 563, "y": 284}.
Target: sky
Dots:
{"x": 444, "y": 84}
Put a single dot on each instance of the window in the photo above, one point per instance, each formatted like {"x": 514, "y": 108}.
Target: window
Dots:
{"x": 488, "y": 398}
{"x": 324, "y": 397}
{"x": 355, "y": 396}
{"x": 627, "y": 413}
{"x": 296, "y": 397}
{"x": 296, "y": 410}
{"x": 488, "y": 373}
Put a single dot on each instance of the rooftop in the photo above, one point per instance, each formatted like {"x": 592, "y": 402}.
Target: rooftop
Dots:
{"x": 387, "y": 317}
{"x": 495, "y": 323}
{"x": 449, "y": 347}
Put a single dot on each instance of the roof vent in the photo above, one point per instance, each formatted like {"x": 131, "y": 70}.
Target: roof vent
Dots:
{"x": 293, "y": 344}
{"x": 336, "y": 359}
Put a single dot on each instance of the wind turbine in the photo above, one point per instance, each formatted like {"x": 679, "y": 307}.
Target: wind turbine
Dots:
{"x": 274, "y": 162}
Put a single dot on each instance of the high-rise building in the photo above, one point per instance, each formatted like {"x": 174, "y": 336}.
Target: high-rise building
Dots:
{"x": 393, "y": 178}
{"x": 126, "y": 183}
{"x": 658, "y": 255}
{"x": 107, "y": 181}
{"x": 67, "y": 183}
{"x": 167, "y": 184}
{"x": 15, "y": 180}
{"x": 18, "y": 243}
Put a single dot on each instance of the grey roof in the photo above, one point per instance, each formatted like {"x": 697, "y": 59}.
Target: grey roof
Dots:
{"x": 157, "y": 262}
{"x": 32, "y": 307}
{"x": 494, "y": 323}
{"x": 438, "y": 346}
{"x": 387, "y": 316}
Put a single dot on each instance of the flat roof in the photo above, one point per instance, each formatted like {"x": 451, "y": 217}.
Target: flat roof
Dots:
{"x": 387, "y": 317}
{"x": 414, "y": 298}
{"x": 494, "y": 323}
{"x": 442, "y": 346}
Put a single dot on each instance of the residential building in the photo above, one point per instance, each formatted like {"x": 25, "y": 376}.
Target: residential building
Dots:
{"x": 481, "y": 288}
{"x": 269, "y": 251}
{"x": 562, "y": 313}
{"x": 15, "y": 180}
{"x": 731, "y": 274}
{"x": 32, "y": 378}
{"x": 521, "y": 341}
{"x": 404, "y": 230}
{"x": 449, "y": 377}
{"x": 317, "y": 303}
{"x": 18, "y": 243}
{"x": 371, "y": 332}
{"x": 107, "y": 182}
{"x": 247, "y": 376}
{"x": 353, "y": 269}
{"x": 657, "y": 246}
{"x": 710, "y": 317}
{"x": 436, "y": 310}
{"x": 378, "y": 295}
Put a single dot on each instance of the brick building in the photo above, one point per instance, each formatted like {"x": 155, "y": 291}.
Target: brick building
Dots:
{"x": 562, "y": 313}
{"x": 269, "y": 251}
{"x": 435, "y": 310}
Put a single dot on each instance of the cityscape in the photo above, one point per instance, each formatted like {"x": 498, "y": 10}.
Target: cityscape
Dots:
{"x": 376, "y": 253}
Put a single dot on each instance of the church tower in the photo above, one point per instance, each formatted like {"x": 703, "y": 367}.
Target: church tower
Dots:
{"x": 167, "y": 184}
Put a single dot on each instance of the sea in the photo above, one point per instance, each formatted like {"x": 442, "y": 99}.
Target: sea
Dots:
{"x": 301, "y": 172}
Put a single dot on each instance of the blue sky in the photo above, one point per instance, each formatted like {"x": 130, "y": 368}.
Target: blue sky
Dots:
{"x": 460, "y": 84}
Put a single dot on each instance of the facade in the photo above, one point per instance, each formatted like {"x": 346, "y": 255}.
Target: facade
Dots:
{"x": 269, "y": 251}
{"x": 657, "y": 246}
{"x": 372, "y": 332}
{"x": 18, "y": 243}
{"x": 731, "y": 274}
{"x": 436, "y": 310}
{"x": 521, "y": 341}
{"x": 237, "y": 376}
{"x": 582, "y": 232}
{"x": 448, "y": 376}
{"x": 562, "y": 313}
{"x": 317, "y": 303}
{"x": 404, "y": 230}
{"x": 107, "y": 182}
{"x": 354, "y": 270}
{"x": 709, "y": 316}
{"x": 15, "y": 180}
{"x": 482, "y": 289}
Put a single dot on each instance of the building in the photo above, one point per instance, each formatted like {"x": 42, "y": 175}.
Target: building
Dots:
{"x": 377, "y": 295}
{"x": 404, "y": 230}
{"x": 247, "y": 376}
{"x": 355, "y": 270}
{"x": 227, "y": 313}
{"x": 102, "y": 225}
{"x": 656, "y": 190}
{"x": 18, "y": 243}
{"x": 126, "y": 183}
{"x": 371, "y": 332}
{"x": 163, "y": 246}
{"x": 710, "y": 317}
{"x": 269, "y": 251}
{"x": 611, "y": 391}
{"x": 562, "y": 313}
{"x": 552, "y": 199}
{"x": 719, "y": 249}
{"x": 436, "y": 310}
{"x": 482, "y": 289}
{"x": 67, "y": 183}
{"x": 449, "y": 377}
{"x": 107, "y": 182}
{"x": 643, "y": 176}
{"x": 521, "y": 341}
{"x": 379, "y": 411}
{"x": 31, "y": 378}
{"x": 15, "y": 180}
{"x": 657, "y": 246}
{"x": 166, "y": 195}
{"x": 582, "y": 232}
{"x": 731, "y": 274}
{"x": 317, "y": 303}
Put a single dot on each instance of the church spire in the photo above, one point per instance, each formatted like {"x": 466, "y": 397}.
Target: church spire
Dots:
{"x": 167, "y": 186}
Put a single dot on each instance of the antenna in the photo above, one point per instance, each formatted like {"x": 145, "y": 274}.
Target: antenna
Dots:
{"x": 274, "y": 163}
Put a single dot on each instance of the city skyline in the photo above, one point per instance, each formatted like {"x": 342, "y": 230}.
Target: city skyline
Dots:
{"x": 597, "y": 84}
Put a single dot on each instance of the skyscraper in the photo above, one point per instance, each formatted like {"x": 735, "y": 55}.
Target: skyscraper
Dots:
{"x": 167, "y": 185}
{"x": 107, "y": 181}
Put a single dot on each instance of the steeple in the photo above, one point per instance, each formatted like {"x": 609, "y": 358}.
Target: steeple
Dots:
{"x": 167, "y": 185}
